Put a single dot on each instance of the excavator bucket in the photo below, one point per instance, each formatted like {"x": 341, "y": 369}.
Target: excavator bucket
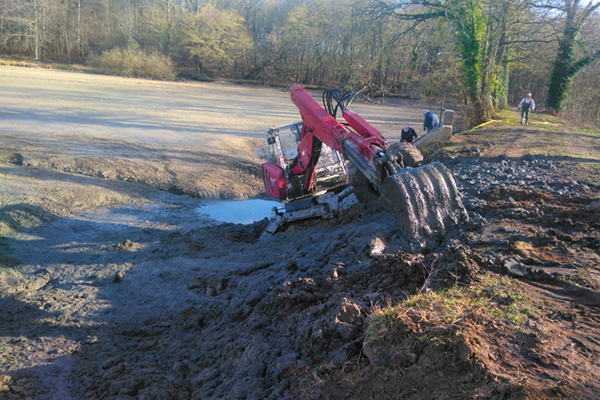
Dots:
{"x": 424, "y": 200}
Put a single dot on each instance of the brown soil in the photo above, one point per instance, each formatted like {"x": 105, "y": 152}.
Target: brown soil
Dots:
{"x": 114, "y": 286}
{"x": 553, "y": 351}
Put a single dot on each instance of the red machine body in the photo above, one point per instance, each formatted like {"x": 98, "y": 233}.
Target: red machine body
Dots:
{"x": 357, "y": 141}
{"x": 307, "y": 171}
{"x": 274, "y": 180}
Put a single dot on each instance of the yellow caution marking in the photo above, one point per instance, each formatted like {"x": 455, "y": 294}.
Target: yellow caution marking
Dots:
{"x": 510, "y": 120}
{"x": 545, "y": 123}
{"x": 485, "y": 123}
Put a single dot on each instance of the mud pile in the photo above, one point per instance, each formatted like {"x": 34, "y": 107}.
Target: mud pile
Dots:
{"x": 209, "y": 312}
{"x": 307, "y": 299}
{"x": 251, "y": 330}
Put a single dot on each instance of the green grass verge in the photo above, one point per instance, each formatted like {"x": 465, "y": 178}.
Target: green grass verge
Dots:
{"x": 494, "y": 297}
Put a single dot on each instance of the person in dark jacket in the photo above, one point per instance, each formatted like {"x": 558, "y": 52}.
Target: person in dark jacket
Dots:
{"x": 431, "y": 120}
{"x": 408, "y": 134}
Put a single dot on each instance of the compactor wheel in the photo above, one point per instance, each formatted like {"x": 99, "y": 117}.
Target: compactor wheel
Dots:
{"x": 424, "y": 200}
{"x": 410, "y": 154}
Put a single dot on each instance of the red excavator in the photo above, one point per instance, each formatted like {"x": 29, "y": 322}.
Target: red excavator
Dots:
{"x": 308, "y": 173}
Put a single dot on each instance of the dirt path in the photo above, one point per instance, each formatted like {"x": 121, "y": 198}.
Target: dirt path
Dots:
{"x": 545, "y": 135}
{"x": 114, "y": 286}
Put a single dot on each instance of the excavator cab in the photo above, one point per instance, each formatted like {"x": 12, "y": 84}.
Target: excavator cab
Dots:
{"x": 330, "y": 172}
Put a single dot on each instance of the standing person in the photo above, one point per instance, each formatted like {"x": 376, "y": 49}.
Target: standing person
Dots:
{"x": 526, "y": 105}
{"x": 431, "y": 120}
{"x": 408, "y": 134}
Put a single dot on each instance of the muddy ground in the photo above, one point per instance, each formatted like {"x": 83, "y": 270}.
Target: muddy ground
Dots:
{"x": 114, "y": 286}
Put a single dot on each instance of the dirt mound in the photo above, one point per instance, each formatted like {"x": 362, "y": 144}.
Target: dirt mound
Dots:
{"x": 297, "y": 315}
{"x": 252, "y": 329}
{"x": 424, "y": 357}
{"x": 207, "y": 180}
{"x": 21, "y": 217}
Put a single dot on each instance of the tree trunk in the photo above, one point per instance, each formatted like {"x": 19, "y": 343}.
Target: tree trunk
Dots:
{"x": 565, "y": 65}
{"x": 35, "y": 12}
{"x": 78, "y": 29}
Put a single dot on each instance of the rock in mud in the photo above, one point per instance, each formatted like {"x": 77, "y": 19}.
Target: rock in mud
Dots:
{"x": 515, "y": 268}
{"x": 119, "y": 276}
{"x": 594, "y": 207}
{"x": 4, "y": 381}
{"x": 349, "y": 312}
{"x": 16, "y": 159}
{"x": 13, "y": 158}
{"x": 127, "y": 245}
{"x": 376, "y": 247}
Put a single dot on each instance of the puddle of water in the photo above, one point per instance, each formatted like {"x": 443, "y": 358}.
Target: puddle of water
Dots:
{"x": 238, "y": 212}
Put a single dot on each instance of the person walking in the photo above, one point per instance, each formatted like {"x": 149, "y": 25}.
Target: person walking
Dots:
{"x": 431, "y": 120}
{"x": 408, "y": 134}
{"x": 526, "y": 105}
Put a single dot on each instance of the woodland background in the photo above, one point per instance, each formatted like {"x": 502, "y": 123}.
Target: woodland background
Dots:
{"x": 482, "y": 54}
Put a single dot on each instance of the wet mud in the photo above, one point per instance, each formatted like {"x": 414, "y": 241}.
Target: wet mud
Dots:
{"x": 210, "y": 312}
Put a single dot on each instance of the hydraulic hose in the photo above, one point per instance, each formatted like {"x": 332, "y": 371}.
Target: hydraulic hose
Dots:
{"x": 342, "y": 101}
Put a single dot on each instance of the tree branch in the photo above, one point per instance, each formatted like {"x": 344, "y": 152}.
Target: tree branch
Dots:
{"x": 584, "y": 62}
{"x": 380, "y": 9}
{"x": 589, "y": 11}
{"x": 547, "y": 7}
{"x": 529, "y": 41}
{"x": 400, "y": 35}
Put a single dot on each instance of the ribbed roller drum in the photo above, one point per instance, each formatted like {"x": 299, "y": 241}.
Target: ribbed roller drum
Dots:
{"x": 424, "y": 200}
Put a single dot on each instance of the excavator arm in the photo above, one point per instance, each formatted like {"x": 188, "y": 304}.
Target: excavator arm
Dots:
{"x": 362, "y": 144}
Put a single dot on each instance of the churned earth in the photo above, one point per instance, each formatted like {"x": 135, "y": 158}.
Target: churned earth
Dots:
{"x": 115, "y": 285}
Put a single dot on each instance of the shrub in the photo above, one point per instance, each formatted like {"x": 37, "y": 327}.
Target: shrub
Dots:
{"x": 133, "y": 62}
